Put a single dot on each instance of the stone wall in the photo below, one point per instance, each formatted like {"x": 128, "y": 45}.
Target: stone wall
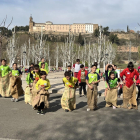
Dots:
{"x": 127, "y": 36}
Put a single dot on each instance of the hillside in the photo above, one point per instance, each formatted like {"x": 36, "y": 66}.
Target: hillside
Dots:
{"x": 53, "y": 39}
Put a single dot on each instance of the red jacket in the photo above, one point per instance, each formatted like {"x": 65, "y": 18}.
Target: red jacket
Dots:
{"x": 79, "y": 75}
{"x": 129, "y": 76}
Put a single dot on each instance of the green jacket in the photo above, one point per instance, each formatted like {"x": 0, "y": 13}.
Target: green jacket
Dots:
{"x": 46, "y": 66}
{"x": 28, "y": 79}
{"x": 98, "y": 70}
{"x": 113, "y": 83}
{"x": 4, "y": 70}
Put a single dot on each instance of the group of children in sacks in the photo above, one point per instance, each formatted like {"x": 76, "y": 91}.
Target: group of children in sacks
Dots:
{"x": 111, "y": 92}
{"x": 37, "y": 90}
{"x": 92, "y": 80}
{"x": 37, "y": 95}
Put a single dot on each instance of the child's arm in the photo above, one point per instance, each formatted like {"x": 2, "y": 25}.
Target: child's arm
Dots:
{"x": 106, "y": 67}
{"x": 88, "y": 84}
{"x": 48, "y": 86}
{"x": 46, "y": 67}
{"x": 9, "y": 70}
{"x": 108, "y": 85}
{"x": 28, "y": 79}
{"x": 37, "y": 84}
{"x": 63, "y": 82}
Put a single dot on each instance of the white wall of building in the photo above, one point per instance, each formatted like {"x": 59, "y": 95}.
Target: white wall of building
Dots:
{"x": 89, "y": 28}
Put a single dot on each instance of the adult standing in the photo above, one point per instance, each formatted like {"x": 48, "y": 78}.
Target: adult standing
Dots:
{"x": 129, "y": 88}
{"x": 46, "y": 64}
{"x": 76, "y": 68}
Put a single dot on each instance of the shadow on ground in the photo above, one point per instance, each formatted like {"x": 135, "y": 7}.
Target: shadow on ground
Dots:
{"x": 98, "y": 125}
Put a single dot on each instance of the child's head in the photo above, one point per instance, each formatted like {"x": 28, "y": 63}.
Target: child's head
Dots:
{"x": 77, "y": 61}
{"x": 43, "y": 75}
{"x": 109, "y": 67}
{"x": 82, "y": 67}
{"x": 111, "y": 75}
{"x": 130, "y": 66}
{"x": 32, "y": 65}
{"x": 115, "y": 67}
{"x": 139, "y": 71}
{"x": 42, "y": 60}
{"x": 3, "y": 61}
{"x": 14, "y": 66}
{"x": 31, "y": 69}
{"x": 67, "y": 75}
{"x": 93, "y": 68}
{"x": 69, "y": 67}
{"x": 36, "y": 68}
{"x": 95, "y": 63}
{"x": 43, "y": 65}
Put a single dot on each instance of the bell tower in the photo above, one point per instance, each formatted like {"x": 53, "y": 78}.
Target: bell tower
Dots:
{"x": 31, "y": 24}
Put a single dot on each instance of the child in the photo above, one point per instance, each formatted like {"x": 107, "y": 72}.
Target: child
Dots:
{"x": 46, "y": 64}
{"x": 16, "y": 71}
{"x": 43, "y": 68}
{"x": 82, "y": 80}
{"x": 29, "y": 80}
{"x": 129, "y": 88}
{"x": 35, "y": 78}
{"x": 113, "y": 84}
{"x": 108, "y": 69}
{"x": 31, "y": 65}
{"x": 36, "y": 73}
{"x": 40, "y": 101}
{"x": 76, "y": 67}
{"x": 4, "y": 79}
{"x": 69, "y": 70}
{"x": 138, "y": 84}
{"x": 92, "y": 81}
{"x": 68, "y": 101}
{"x": 16, "y": 84}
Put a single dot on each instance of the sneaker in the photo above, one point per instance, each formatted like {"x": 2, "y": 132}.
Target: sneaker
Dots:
{"x": 12, "y": 99}
{"x": 114, "y": 107}
{"x": 66, "y": 110}
{"x": 38, "y": 112}
{"x": 80, "y": 95}
{"x": 16, "y": 100}
{"x": 85, "y": 96}
{"x": 88, "y": 109}
{"x": 42, "y": 113}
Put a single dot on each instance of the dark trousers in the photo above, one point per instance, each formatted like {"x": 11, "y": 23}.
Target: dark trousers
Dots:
{"x": 138, "y": 92}
{"x": 82, "y": 85}
{"x": 41, "y": 106}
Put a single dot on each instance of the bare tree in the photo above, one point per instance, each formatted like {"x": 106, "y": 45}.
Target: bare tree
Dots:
{"x": 4, "y": 35}
{"x": 12, "y": 49}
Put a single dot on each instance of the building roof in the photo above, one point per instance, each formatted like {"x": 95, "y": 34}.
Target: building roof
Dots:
{"x": 40, "y": 23}
{"x": 78, "y": 23}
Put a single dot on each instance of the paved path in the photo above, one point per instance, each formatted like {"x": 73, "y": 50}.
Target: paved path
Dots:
{"x": 20, "y": 121}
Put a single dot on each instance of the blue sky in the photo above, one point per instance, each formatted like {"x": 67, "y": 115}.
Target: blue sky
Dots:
{"x": 116, "y": 14}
